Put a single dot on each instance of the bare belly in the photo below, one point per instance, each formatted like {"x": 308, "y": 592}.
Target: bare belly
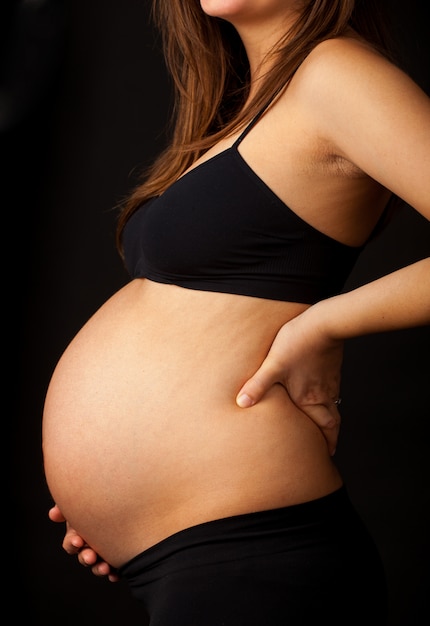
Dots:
{"x": 141, "y": 433}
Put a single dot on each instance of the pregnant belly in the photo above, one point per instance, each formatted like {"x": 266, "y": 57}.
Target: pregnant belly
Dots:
{"x": 141, "y": 433}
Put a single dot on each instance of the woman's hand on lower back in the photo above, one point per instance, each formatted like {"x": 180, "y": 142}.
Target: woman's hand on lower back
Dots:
{"x": 307, "y": 363}
{"x": 74, "y": 544}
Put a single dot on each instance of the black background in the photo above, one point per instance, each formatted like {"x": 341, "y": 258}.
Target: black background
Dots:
{"x": 84, "y": 101}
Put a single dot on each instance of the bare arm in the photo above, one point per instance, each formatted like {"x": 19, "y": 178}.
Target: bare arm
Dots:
{"x": 306, "y": 354}
{"x": 399, "y": 300}
{"x": 376, "y": 117}
{"x": 372, "y": 114}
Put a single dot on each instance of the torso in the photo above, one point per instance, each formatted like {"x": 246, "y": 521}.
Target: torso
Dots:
{"x": 141, "y": 433}
{"x": 142, "y": 436}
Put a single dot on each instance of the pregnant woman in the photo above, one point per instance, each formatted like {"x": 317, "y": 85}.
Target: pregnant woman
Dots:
{"x": 189, "y": 428}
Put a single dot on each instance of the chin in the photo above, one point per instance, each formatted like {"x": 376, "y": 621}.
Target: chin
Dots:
{"x": 224, "y": 8}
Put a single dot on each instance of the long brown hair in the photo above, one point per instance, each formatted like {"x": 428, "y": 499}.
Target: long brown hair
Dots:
{"x": 210, "y": 73}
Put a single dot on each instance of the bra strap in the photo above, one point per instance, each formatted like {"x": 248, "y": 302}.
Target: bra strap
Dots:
{"x": 256, "y": 117}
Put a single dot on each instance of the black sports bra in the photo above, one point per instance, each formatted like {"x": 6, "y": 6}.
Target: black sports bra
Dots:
{"x": 221, "y": 228}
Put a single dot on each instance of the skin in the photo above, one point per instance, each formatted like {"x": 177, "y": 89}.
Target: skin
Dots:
{"x": 367, "y": 133}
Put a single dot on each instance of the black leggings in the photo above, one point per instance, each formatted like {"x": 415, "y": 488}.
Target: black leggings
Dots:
{"x": 294, "y": 566}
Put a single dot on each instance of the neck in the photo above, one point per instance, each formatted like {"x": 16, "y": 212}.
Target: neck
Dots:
{"x": 260, "y": 38}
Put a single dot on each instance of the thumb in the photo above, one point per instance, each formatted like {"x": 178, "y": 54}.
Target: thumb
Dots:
{"x": 256, "y": 386}
{"x": 55, "y": 514}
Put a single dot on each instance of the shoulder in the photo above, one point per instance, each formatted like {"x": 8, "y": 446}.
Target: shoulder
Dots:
{"x": 362, "y": 108}
{"x": 341, "y": 86}
{"x": 345, "y": 65}
{"x": 345, "y": 79}
{"x": 345, "y": 48}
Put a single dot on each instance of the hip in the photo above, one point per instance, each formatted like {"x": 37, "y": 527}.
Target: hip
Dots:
{"x": 274, "y": 567}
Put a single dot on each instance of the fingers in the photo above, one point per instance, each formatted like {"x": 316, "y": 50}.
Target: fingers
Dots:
{"x": 103, "y": 569}
{"x": 55, "y": 514}
{"x": 328, "y": 420}
{"x": 89, "y": 558}
{"x": 72, "y": 542}
{"x": 325, "y": 415}
{"x": 113, "y": 578}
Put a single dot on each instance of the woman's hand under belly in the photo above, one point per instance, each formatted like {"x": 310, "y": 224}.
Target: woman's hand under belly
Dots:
{"x": 141, "y": 433}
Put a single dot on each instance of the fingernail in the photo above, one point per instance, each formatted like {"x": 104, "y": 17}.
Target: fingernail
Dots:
{"x": 244, "y": 401}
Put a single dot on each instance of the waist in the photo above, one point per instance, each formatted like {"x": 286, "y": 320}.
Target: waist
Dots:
{"x": 225, "y": 533}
